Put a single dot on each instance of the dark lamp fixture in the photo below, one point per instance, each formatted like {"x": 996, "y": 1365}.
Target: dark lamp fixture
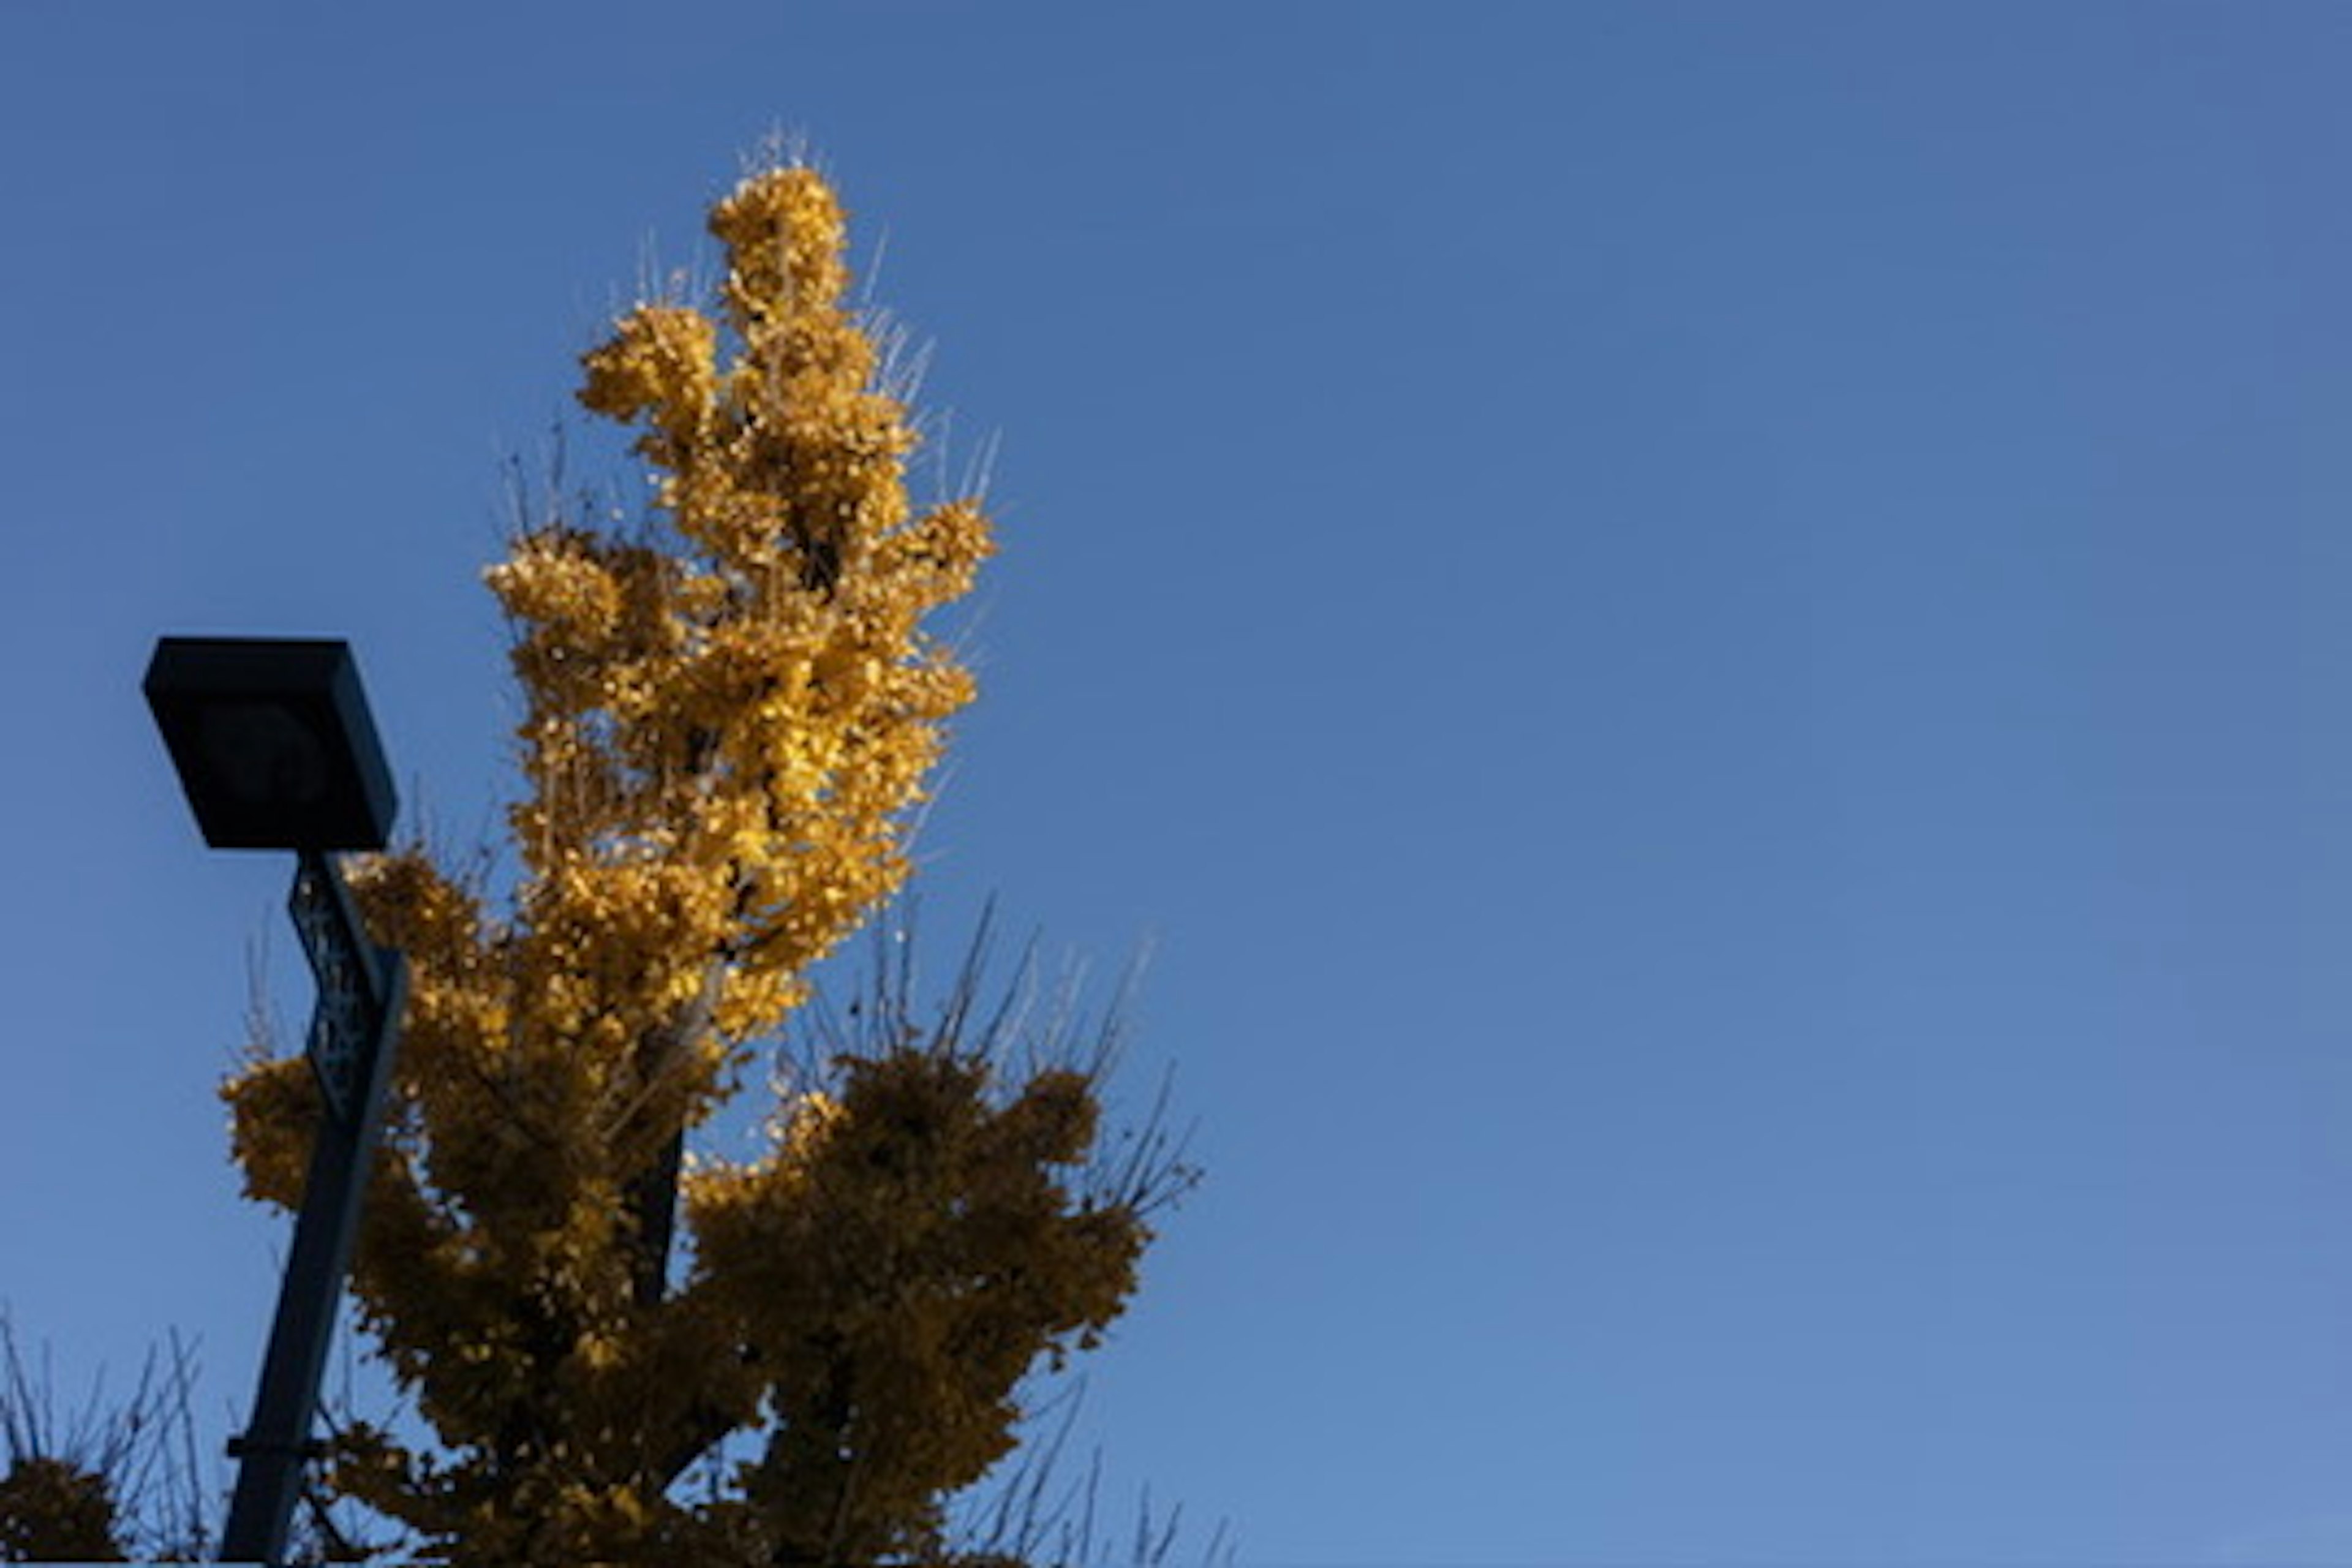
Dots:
{"x": 273, "y": 743}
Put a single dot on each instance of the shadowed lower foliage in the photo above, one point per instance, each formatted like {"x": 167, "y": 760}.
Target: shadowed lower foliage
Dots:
{"x": 114, "y": 1480}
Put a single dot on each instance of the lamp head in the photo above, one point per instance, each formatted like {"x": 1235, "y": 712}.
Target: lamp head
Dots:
{"x": 273, "y": 741}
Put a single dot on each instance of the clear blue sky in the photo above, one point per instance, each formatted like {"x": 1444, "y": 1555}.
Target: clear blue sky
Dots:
{"x": 1715, "y": 643}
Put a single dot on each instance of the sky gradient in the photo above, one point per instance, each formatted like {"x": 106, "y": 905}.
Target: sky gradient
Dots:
{"x": 1708, "y": 641}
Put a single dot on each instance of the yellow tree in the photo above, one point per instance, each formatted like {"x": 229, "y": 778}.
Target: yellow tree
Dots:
{"x": 730, "y": 711}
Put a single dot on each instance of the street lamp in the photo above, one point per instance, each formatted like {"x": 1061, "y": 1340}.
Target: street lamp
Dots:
{"x": 275, "y": 750}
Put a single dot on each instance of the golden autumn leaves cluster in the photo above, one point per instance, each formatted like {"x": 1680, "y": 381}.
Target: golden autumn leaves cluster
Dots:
{"x": 55, "y": 1510}
{"x": 728, "y": 719}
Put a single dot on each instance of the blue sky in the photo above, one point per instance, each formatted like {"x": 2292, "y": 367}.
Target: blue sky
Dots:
{"x": 1711, "y": 642}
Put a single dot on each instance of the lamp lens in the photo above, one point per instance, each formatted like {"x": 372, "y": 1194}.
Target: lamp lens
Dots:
{"x": 262, "y": 754}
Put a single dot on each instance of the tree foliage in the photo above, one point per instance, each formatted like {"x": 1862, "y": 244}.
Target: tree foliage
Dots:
{"x": 730, "y": 711}
{"x": 114, "y": 1480}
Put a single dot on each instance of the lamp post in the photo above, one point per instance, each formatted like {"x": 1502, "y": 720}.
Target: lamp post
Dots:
{"x": 274, "y": 749}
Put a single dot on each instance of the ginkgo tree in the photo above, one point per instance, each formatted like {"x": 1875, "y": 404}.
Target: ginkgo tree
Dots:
{"x": 731, "y": 706}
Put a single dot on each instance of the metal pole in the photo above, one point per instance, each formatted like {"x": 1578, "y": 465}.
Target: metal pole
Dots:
{"x": 272, "y": 1453}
